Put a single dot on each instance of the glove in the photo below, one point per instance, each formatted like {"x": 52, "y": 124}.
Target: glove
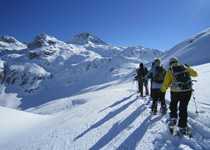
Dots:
{"x": 161, "y": 94}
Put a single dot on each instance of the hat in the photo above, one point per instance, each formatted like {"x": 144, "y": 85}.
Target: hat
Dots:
{"x": 141, "y": 65}
{"x": 173, "y": 60}
{"x": 157, "y": 61}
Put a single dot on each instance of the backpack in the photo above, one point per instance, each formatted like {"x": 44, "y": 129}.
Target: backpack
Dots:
{"x": 159, "y": 74}
{"x": 182, "y": 78}
{"x": 142, "y": 72}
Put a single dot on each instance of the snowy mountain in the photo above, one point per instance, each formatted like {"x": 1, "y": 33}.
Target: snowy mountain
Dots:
{"x": 8, "y": 43}
{"x": 193, "y": 51}
{"x": 48, "y": 61}
{"x": 43, "y": 40}
{"x": 85, "y": 38}
{"x": 82, "y": 96}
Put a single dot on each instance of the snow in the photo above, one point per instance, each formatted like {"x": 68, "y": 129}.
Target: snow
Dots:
{"x": 193, "y": 51}
{"x": 9, "y": 100}
{"x": 8, "y": 43}
{"x": 99, "y": 108}
{"x": 85, "y": 38}
{"x": 14, "y": 122}
{"x": 109, "y": 116}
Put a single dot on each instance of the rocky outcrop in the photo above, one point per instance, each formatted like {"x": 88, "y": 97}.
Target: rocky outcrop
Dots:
{"x": 85, "y": 38}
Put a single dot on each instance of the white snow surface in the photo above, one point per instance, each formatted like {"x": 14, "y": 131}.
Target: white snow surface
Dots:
{"x": 107, "y": 116}
{"x": 13, "y": 44}
{"x": 106, "y": 112}
{"x": 17, "y": 122}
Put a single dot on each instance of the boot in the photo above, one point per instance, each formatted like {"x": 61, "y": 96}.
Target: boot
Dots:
{"x": 172, "y": 122}
{"x": 184, "y": 131}
{"x": 163, "y": 109}
{"x": 154, "y": 112}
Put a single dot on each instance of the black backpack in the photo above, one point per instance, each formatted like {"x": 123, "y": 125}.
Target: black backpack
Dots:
{"x": 142, "y": 72}
{"x": 182, "y": 78}
{"x": 159, "y": 74}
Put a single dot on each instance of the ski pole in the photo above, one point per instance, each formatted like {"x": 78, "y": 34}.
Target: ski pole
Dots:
{"x": 195, "y": 103}
{"x": 132, "y": 85}
{"x": 137, "y": 87}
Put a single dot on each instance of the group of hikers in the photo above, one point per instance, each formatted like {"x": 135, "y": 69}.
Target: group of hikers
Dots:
{"x": 178, "y": 78}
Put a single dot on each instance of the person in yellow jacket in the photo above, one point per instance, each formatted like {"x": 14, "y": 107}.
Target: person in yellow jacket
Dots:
{"x": 178, "y": 95}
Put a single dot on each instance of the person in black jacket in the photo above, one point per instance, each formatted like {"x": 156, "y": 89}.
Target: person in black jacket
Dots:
{"x": 141, "y": 73}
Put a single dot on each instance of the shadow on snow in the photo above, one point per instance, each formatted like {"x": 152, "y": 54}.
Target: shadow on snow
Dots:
{"x": 108, "y": 117}
{"x": 132, "y": 141}
{"x": 117, "y": 103}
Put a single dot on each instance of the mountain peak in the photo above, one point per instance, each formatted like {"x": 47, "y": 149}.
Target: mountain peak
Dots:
{"x": 8, "y": 43}
{"x": 8, "y": 39}
{"x": 44, "y": 37}
{"x": 85, "y": 38}
{"x": 42, "y": 40}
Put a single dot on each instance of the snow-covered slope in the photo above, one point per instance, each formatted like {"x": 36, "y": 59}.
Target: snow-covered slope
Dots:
{"x": 15, "y": 123}
{"x": 84, "y": 97}
{"x": 193, "y": 51}
{"x": 110, "y": 116}
{"x": 50, "y": 64}
{"x": 8, "y": 43}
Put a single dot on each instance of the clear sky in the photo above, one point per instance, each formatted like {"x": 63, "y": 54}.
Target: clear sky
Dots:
{"x": 159, "y": 24}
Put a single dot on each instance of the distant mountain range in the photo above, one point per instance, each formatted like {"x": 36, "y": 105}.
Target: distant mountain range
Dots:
{"x": 60, "y": 69}
{"x": 47, "y": 63}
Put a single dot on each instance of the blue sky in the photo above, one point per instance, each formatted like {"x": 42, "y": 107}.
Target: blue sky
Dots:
{"x": 159, "y": 24}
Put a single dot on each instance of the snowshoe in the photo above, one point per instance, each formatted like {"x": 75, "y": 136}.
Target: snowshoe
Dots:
{"x": 185, "y": 131}
{"x": 172, "y": 126}
{"x": 172, "y": 122}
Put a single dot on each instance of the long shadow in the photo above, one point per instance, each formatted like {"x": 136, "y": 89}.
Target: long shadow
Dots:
{"x": 106, "y": 118}
{"x": 117, "y": 128}
{"x": 132, "y": 141}
{"x": 118, "y": 102}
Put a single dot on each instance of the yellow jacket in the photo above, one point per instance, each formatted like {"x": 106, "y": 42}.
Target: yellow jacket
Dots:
{"x": 169, "y": 80}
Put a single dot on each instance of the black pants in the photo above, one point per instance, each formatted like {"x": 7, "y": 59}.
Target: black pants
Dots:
{"x": 143, "y": 82}
{"x": 151, "y": 88}
{"x": 156, "y": 96}
{"x": 183, "y": 98}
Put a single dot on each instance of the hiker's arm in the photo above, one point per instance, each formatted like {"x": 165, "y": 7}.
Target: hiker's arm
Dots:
{"x": 167, "y": 81}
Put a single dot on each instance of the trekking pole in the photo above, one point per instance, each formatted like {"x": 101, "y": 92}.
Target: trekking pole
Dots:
{"x": 132, "y": 85}
{"x": 137, "y": 87}
{"x": 195, "y": 102}
{"x": 194, "y": 98}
